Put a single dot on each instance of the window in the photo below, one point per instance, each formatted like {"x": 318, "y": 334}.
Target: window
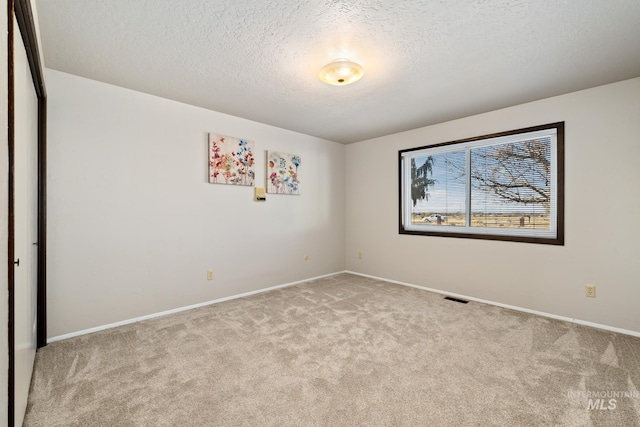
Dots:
{"x": 506, "y": 186}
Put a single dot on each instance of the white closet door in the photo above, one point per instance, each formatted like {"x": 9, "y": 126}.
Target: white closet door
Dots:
{"x": 26, "y": 224}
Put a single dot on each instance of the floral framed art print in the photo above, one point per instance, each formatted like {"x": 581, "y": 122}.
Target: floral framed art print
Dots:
{"x": 283, "y": 173}
{"x": 231, "y": 160}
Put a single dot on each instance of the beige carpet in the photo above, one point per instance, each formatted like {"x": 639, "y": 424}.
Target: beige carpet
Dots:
{"x": 340, "y": 351}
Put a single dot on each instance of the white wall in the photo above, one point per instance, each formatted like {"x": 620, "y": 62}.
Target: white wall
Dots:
{"x": 602, "y": 231}
{"x": 133, "y": 224}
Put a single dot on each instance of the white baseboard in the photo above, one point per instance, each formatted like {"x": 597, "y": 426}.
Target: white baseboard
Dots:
{"x": 246, "y": 294}
{"x": 177, "y": 310}
{"x": 511, "y": 307}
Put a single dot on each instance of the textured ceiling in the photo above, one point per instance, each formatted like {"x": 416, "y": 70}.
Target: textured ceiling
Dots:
{"x": 426, "y": 61}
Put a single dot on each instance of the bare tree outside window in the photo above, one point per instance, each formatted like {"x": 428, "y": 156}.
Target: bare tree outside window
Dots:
{"x": 515, "y": 173}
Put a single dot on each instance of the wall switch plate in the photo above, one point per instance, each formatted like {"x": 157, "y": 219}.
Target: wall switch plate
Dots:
{"x": 359, "y": 255}
{"x": 209, "y": 274}
{"x": 306, "y": 257}
{"x": 590, "y": 291}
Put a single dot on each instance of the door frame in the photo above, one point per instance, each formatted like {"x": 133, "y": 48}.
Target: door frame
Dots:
{"x": 23, "y": 13}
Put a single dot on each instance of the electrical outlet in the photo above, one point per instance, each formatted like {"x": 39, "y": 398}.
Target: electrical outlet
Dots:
{"x": 209, "y": 274}
{"x": 590, "y": 291}
{"x": 359, "y": 255}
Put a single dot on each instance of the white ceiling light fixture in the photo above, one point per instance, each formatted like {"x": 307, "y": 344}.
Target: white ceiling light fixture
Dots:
{"x": 341, "y": 72}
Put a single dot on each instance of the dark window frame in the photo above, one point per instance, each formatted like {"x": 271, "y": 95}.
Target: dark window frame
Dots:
{"x": 559, "y": 185}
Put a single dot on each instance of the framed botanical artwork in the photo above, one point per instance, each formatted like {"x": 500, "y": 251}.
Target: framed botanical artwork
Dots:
{"x": 283, "y": 173}
{"x": 231, "y": 160}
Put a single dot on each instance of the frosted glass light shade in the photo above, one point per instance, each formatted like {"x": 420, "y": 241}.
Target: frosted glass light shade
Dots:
{"x": 341, "y": 72}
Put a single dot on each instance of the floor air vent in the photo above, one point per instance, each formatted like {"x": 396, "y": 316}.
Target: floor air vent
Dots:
{"x": 456, "y": 300}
